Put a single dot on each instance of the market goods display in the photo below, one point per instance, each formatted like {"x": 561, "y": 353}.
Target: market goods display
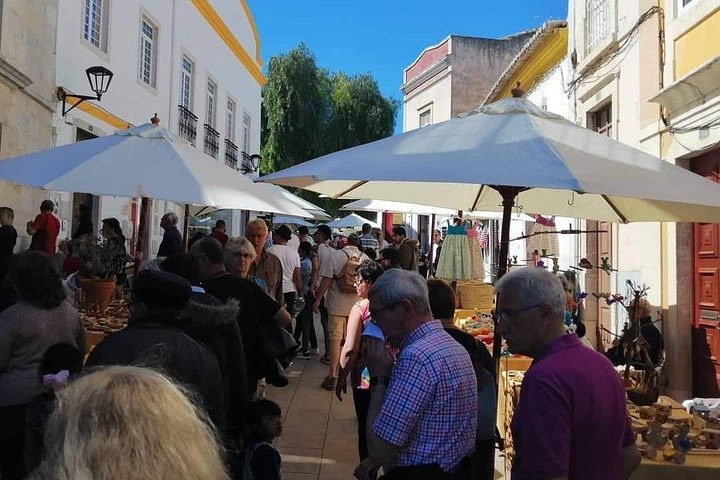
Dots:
{"x": 99, "y": 322}
{"x": 667, "y": 432}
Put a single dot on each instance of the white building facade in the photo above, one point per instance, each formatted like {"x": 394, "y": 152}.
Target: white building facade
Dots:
{"x": 194, "y": 63}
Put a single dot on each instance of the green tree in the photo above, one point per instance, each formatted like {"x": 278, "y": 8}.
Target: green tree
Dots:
{"x": 295, "y": 109}
{"x": 308, "y": 112}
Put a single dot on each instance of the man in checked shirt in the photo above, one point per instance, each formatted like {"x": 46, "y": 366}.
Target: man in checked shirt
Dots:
{"x": 423, "y": 410}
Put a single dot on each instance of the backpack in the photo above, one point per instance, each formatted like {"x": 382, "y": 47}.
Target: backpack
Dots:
{"x": 348, "y": 274}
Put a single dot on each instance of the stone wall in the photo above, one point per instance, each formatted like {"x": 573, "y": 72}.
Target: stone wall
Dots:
{"x": 477, "y": 64}
{"x": 27, "y": 79}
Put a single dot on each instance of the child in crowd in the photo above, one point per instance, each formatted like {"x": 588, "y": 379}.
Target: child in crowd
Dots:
{"x": 58, "y": 365}
{"x": 261, "y": 461}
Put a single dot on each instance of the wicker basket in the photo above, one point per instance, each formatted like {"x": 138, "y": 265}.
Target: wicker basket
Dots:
{"x": 476, "y": 295}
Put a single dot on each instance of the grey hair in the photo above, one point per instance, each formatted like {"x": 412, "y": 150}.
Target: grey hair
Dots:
{"x": 534, "y": 285}
{"x": 396, "y": 285}
{"x": 172, "y": 217}
{"x": 235, "y": 246}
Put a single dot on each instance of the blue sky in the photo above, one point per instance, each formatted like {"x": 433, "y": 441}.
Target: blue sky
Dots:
{"x": 384, "y": 37}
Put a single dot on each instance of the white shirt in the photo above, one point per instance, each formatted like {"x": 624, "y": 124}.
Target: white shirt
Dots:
{"x": 325, "y": 255}
{"x": 337, "y": 302}
{"x": 290, "y": 260}
{"x": 294, "y": 242}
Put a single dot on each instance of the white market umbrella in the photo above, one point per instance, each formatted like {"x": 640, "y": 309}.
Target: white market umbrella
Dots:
{"x": 351, "y": 221}
{"x": 550, "y": 164}
{"x": 144, "y": 161}
{"x": 281, "y": 219}
{"x": 512, "y": 152}
{"x": 365, "y": 205}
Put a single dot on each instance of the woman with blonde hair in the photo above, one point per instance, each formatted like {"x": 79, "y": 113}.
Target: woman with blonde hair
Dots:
{"x": 128, "y": 423}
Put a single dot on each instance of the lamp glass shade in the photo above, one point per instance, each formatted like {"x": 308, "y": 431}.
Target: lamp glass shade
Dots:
{"x": 99, "y": 78}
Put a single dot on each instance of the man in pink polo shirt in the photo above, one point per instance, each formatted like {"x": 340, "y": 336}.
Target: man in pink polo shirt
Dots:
{"x": 571, "y": 421}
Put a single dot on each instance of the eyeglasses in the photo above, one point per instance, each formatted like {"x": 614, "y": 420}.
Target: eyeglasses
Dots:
{"x": 374, "y": 313}
{"x": 513, "y": 312}
{"x": 359, "y": 282}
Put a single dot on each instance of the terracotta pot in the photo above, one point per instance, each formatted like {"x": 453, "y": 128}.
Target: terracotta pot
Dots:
{"x": 97, "y": 291}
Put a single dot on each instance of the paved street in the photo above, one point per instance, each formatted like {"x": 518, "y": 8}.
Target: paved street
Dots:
{"x": 319, "y": 440}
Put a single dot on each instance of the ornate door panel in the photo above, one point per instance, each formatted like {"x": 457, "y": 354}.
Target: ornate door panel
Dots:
{"x": 706, "y": 316}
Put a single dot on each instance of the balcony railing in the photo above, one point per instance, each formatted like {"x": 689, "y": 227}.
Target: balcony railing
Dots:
{"x": 187, "y": 124}
{"x": 212, "y": 141}
{"x": 231, "y": 154}
{"x": 597, "y": 22}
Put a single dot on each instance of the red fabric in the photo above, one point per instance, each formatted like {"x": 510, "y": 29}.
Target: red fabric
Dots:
{"x": 52, "y": 226}
{"x": 220, "y": 237}
{"x": 72, "y": 265}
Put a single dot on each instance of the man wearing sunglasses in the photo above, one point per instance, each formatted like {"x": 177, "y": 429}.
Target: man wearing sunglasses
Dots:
{"x": 571, "y": 421}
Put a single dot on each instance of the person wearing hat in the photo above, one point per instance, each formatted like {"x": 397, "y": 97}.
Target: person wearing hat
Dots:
{"x": 290, "y": 261}
{"x": 338, "y": 302}
{"x": 154, "y": 339}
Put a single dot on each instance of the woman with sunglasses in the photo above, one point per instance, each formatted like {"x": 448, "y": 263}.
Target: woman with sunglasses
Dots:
{"x": 351, "y": 361}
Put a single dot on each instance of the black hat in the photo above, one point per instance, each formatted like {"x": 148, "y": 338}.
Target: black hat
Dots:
{"x": 325, "y": 230}
{"x": 161, "y": 289}
{"x": 284, "y": 232}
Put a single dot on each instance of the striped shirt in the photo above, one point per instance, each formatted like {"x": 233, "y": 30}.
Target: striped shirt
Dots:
{"x": 430, "y": 407}
{"x": 368, "y": 241}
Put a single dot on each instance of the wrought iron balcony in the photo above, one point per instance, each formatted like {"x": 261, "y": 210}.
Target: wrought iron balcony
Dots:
{"x": 231, "y": 154}
{"x": 187, "y": 124}
{"x": 212, "y": 141}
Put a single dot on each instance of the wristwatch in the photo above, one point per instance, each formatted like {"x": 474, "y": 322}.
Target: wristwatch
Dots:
{"x": 379, "y": 381}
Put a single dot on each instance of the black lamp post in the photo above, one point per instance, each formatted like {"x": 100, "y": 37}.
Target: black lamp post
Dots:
{"x": 99, "y": 79}
{"x": 250, "y": 163}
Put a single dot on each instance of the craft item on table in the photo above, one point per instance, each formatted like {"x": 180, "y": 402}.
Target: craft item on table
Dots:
{"x": 477, "y": 262}
{"x": 556, "y": 265}
{"x": 585, "y": 263}
{"x": 454, "y": 262}
{"x": 570, "y": 326}
{"x": 544, "y": 236}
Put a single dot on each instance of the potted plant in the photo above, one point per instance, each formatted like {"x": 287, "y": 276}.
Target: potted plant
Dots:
{"x": 103, "y": 260}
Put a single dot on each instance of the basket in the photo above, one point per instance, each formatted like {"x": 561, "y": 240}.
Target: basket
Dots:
{"x": 476, "y": 295}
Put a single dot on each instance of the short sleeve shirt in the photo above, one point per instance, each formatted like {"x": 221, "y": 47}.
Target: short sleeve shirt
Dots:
{"x": 337, "y": 302}
{"x": 430, "y": 406}
{"x": 571, "y": 419}
{"x": 324, "y": 255}
{"x": 290, "y": 260}
{"x": 269, "y": 268}
{"x": 51, "y": 226}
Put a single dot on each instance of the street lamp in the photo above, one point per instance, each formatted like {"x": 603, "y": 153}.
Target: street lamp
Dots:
{"x": 99, "y": 79}
{"x": 250, "y": 163}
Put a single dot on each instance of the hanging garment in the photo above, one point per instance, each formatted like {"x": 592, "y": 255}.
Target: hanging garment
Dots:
{"x": 455, "y": 262}
{"x": 546, "y": 241}
{"x": 477, "y": 262}
{"x": 484, "y": 238}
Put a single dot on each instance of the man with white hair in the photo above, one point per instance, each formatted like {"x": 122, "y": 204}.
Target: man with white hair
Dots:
{"x": 423, "y": 411}
{"x": 172, "y": 241}
{"x": 571, "y": 420}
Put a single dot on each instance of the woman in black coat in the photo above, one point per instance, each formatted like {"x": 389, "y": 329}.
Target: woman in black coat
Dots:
{"x": 8, "y": 239}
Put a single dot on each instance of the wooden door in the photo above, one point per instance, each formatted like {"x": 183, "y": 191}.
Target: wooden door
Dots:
{"x": 706, "y": 301}
{"x": 604, "y": 249}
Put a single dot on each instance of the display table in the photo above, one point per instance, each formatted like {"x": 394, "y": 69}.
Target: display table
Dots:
{"x": 100, "y": 323}
{"x": 697, "y": 467}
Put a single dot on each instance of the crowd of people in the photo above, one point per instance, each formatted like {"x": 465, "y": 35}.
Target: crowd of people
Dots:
{"x": 181, "y": 388}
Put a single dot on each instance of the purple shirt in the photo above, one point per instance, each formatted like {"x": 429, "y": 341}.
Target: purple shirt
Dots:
{"x": 571, "y": 419}
{"x": 430, "y": 407}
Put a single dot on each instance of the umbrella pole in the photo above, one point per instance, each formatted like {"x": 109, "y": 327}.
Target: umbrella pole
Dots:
{"x": 140, "y": 244}
{"x": 431, "y": 260}
{"x": 186, "y": 228}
